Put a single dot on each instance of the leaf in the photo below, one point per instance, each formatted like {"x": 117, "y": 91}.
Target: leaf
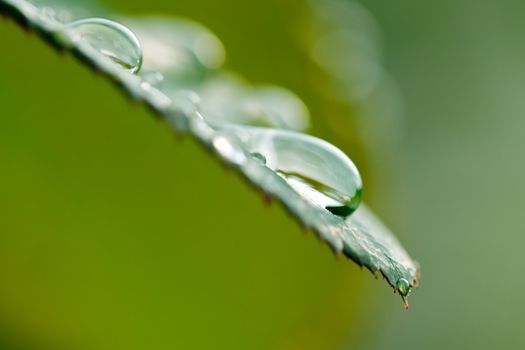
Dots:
{"x": 361, "y": 236}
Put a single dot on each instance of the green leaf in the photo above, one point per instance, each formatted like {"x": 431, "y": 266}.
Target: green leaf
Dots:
{"x": 360, "y": 236}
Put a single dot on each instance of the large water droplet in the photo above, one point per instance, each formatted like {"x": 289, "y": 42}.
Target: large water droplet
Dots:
{"x": 111, "y": 39}
{"x": 315, "y": 169}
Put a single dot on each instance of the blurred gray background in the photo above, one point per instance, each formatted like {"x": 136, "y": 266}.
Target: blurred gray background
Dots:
{"x": 460, "y": 65}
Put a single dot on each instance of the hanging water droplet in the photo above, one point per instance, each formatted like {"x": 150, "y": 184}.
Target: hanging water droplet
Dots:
{"x": 111, "y": 39}
{"x": 403, "y": 286}
{"x": 315, "y": 169}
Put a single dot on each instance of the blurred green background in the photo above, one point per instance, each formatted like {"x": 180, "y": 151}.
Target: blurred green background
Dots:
{"x": 115, "y": 234}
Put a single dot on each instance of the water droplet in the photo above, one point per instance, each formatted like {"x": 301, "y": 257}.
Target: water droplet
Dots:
{"x": 403, "y": 287}
{"x": 111, "y": 39}
{"x": 317, "y": 170}
{"x": 259, "y": 157}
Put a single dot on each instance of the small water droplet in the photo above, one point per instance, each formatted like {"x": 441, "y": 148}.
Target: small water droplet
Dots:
{"x": 317, "y": 170}
{"x": 259, "y": 157}
{"x": 111, "y": 39}
{"x": 403, "y": 287}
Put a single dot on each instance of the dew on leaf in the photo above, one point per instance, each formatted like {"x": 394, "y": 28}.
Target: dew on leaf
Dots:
{"x": 280, "y": 163}
{"x": 111, "y": 39}
{"x": 315, "y": 169}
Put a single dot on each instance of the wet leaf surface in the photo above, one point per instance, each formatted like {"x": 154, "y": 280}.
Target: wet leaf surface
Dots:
{"x": 360, "y": 236}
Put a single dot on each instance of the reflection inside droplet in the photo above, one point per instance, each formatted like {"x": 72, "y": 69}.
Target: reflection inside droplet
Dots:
{"x": 318, "y": 192}
{"x": 315, "y": 169}
{"x": 111, "y": 39}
